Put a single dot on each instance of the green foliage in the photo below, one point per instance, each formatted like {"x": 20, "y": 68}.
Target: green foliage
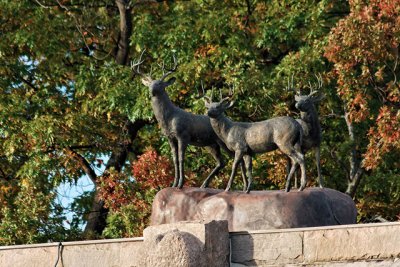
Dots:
{"x": 62, "y": 91}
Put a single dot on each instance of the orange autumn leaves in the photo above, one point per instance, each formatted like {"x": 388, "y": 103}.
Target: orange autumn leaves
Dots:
{"x": 364, "y": 48}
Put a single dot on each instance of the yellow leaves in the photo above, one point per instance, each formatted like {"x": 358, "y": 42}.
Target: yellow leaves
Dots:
{"x": 394, "y": 95}
{"x": 379, "y": 74}
{"x": 25, "y": 183}
{"x": 206, "y": 50}
{"x": 5, "y": 190}
{"x": 184, "y": 91}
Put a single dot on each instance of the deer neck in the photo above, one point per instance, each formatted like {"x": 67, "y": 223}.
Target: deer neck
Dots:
{"x": 162, "y": 106}
{"x": 221, "y": 126}
{"x": 311, "y": 118}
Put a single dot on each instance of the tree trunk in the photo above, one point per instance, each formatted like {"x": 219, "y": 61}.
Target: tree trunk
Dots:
{"x": 353, "y": 183}
{"x": 356, "y": 171}
{"x": 97, "y": 218}
{"x": 121, "y": 51}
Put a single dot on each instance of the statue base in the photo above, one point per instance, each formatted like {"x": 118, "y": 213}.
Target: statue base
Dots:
{"x": 258, "y": 210}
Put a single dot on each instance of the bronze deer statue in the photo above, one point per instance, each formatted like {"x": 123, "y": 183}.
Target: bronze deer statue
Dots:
{"x": 247, "y": 139}
{"x": 179, "y": 126}
{"x": 309, "y": 121}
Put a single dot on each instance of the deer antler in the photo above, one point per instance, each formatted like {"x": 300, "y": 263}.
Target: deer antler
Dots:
{"x": 203, "y": 95}
{"x": 231, "y": 91}
{"x": 290, "y": 86}
{"x": 166, "y": 71}
{"x": 137, "y": 64}
{"x": 314, "y": 88}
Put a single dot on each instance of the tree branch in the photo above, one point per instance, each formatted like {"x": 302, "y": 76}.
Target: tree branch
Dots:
{"x": 84, "y": 164}
{"x": 355, "y": 181}
{"x": 118, "y": 158}
{"x": 121, "y": 50}
{"x": 3, "y": 174}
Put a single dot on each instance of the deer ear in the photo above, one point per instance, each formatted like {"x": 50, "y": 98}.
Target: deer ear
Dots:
{"x": 227, "y": 103}
{"x": 170, "y": 81}
{"x": 230, "y": 104}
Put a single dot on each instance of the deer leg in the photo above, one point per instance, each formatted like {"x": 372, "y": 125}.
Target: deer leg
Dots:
{"x": 244, "y": 177}
{"x": 296, "y": 178}
{"x": 181, "y": 160}
{"x": 215, "y": 151}
{"x": 318, "y": 162}
{"x": 236, "y": 161}
{"x": 299, "y": 158}
{"x": 174, "y": 151}
{"x": 293, "y": 167}
{"x": 294, "y": 153}
{"x": 249, "y": 167}
{"x": 288, "y": 168}
{"x": 301, "y": 162}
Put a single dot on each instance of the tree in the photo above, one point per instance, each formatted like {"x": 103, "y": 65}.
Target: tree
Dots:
{"x": 364, "y": 48}
{"x": 70, "y": 103}
{"x": 50, "y": 53}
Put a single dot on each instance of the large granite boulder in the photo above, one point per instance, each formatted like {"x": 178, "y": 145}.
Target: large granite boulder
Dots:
{"x": 258, "y": 210}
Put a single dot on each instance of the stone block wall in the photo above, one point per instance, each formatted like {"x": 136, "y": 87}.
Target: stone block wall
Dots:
{"x": 364, "y": 244}
{"x": 97, "y": 253}
{"x": 336, "y": 246}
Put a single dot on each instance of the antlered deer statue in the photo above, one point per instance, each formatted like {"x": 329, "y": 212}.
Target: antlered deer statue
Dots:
{"x": 179, "y": 126}
{"x": 309, "y": 121}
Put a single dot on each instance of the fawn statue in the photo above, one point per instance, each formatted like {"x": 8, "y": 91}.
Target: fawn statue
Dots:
{"x": 247, "y": 139}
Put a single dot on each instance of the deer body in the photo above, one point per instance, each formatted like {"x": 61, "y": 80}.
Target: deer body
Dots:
{"x": 247, "y": 139}
{"x": 257, "y": 137}
{"x": 182, "y": 129}
{"x": 311, "y": 127}
{"x": 174, "y": 122}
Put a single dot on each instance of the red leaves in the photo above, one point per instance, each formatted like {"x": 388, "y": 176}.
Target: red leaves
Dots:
{"x": 115, "y": 189}
{"x": 129, "y": 198}
{"x": 152, "y": 170}
{"x": 364, "y": 48}
{"x": 358, "y": 108}
{"x": 383, "y": 137}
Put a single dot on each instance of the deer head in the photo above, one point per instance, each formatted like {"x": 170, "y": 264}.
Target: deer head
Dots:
{"x": 156, "y": 86}
{"x": 305, "y": 102}
{"x": 216, "y": 109}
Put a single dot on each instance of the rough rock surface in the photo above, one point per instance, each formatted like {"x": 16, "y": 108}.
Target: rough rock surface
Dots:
{"x": 186, "y": 244}
{"x": 175, "y": 248}
{"x": 258, "y": 210}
